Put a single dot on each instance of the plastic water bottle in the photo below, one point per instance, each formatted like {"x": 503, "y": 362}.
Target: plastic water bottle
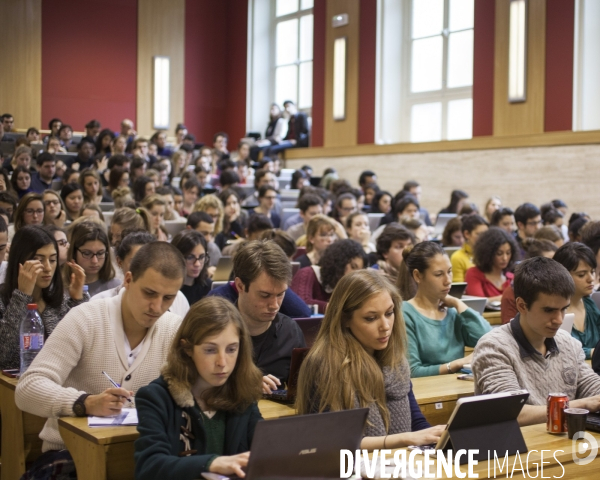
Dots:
{"x": 31, "y": 336}
{"x": 86, "y": 289}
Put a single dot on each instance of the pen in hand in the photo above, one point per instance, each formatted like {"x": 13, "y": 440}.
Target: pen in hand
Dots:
{"x": 115, "y": 384}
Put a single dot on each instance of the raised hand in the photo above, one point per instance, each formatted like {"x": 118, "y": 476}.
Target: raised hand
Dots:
{"x": 77, "y": 281}
{"x": 28, "y": 273}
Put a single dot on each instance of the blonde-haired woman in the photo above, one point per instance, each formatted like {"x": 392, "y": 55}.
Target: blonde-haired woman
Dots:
{"x": 200, "y": 415}
{"x": 494, "y": 203}
{"x": 359, "y": 360}
{"x": 126, "y": 217}
{"x": 179, "y": 163}
{"x": 214, "y": 207}
{"x": 321, "y": 232}
{"x": 92, "y": 187}
{"x": 54, "y": 209}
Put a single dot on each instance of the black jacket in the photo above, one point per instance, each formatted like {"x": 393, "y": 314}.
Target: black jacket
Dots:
{"x": 160, "y": 406}
{"x": 299, "y": 129}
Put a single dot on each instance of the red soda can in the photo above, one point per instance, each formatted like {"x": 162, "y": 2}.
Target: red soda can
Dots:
{"x": 555, "y": 411}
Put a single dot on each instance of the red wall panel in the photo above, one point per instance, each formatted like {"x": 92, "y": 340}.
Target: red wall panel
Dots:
{"x": 366, "y": 73}
{"x": 89, "y": 61}
{"x": 483, "y": 68}
{"x": 560, "y": 31}
{"x": 318, "y": 106}
{"x": 216, "y": 34}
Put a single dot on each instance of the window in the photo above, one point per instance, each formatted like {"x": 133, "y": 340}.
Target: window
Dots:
{"x": 292, "y": 69}
{"x": 280, "y": 55}
{"x": 432, "y": 72}
{"x": 586, "y": 95}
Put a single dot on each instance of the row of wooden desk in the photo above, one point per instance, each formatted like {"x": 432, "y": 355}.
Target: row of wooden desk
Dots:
{"x": 107, "y": 452}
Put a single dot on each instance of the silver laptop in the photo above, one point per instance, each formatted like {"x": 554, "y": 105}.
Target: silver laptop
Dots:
{"x": 374, "y": 219}
{"x": 223, "y": 271}
{"x": 441, "y": 222}
{"x": 596, "y": 298}
{"x": 450, "y": 250}
{"x": 568, "y": 321}
{"x": 218, "y": 284}
{"x": 476, "y": 303}
{"x": 303, "y": 446}
{"x": 107, "y": 206}
{"x": 173, "y": 227}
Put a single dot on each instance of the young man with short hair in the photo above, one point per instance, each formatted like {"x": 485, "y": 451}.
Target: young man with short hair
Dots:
{"x": 85, "y": 155}
{"x": 202, "y": 222}
{"x": 127, "y": 336}
{"x": 262, "y": 276}
{"x": 414, "y": 188}
{"x": 42, "y": 179}
{"x": 366, "y": 177}
{"x": 532, "y": 352}
{"x": 471, "y": 227}
{"x": 7, "y": 122}
{"x": 390, "y": 245}
{"x": 309, "y": 205}
{"x": 529, "y": 220}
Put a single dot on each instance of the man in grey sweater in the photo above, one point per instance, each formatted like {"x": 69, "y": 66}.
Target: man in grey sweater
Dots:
{"x": 531, "y": 352}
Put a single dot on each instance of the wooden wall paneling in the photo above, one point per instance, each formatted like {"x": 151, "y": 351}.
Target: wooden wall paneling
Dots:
{"x": 524, "y": 117}
{"x": 161, "y": 31}
{"x": 342, "y": 132}
{"x": 21, "y": 61}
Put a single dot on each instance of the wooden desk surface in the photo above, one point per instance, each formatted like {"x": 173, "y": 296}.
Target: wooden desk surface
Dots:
{"x": 493, "y": 317}
{"x": 558, "y": 448}
{"x": 441, "y": 388}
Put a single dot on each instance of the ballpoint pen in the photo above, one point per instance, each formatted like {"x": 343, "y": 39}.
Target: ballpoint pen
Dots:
{"x": 114, "y": 383}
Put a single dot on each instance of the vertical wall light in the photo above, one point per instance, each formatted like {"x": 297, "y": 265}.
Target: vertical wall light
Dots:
{"x": 339, "y": 78}
{"x": 161, "y": 98}
{"x": 517, "y": 52}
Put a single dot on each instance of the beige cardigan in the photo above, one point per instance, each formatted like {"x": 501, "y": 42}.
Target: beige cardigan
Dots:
{"x": 88, "y": 340}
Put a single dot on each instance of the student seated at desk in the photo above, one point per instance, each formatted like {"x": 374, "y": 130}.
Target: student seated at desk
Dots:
{"x": 90, "y": 250}
{"x": 472, "y": 226}
{"x": 127, "y": 336}
{"x": 267, "y": 195}
{"x": 314, "y": 284}
{"x": 580, "y": 262}
{"x": 132, "y": 241}
{"x": 33, "y": 276}
{"x": 495, "y": 253}
{"x": 359, "y": 360}
{"x": 533, "y": 248}
{"x": 262, "y": 275}
{"x": 390, "y": 245}
{"x": 358, "y": 229}
{"x": 439, "y": 326}
{"x": 208, "y": 390}
{"x": 194, "y": 249}
{"x": 320, "y": 233}
{"x": 532, "y": 352}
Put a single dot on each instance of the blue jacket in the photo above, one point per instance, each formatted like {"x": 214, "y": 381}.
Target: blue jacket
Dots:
{"x": 160, "y": 406}
{"x": 292, "y": 306}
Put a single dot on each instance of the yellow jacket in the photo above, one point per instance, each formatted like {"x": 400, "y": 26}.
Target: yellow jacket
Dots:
{"x": 461, "y": 260}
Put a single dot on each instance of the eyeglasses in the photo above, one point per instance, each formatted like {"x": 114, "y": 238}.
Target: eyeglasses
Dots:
{"x": 47, "y": 203}
{"x": 31, "y": 211}
{"x": 89, "y": 255}
{"x": 347, "y": 209}
{"x": 63, "y": 243}
{"x": 192, "y": 259}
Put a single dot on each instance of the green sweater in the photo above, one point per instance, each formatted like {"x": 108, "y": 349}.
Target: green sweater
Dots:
{"x": 432, "y": 343}
{"x": 591, "y": 333}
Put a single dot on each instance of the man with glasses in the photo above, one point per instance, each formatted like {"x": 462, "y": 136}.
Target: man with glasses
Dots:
{"x": 127, "y": 336}
{"x": 529, "y": 220}
{"x": 42, "y": 179}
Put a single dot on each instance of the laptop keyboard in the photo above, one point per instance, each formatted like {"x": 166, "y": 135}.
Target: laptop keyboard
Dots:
{"x": 593, "y": 422}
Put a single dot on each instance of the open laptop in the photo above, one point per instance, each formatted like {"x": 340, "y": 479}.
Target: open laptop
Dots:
{"x": 476, "y": 303}
{"x": 487, "y": 422}
{"x": 457, "y": 289}
{"x": 303, "y": 446}
{"x": 288, "y": 394}
{"x": 568, "y": 321}
{"x": 224, "y": 268}
{"x": 441, "y": 222}
{"x": 310, "y": 328}
{"x": 173, "y": 227}
{"x": 374, "y": 219}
